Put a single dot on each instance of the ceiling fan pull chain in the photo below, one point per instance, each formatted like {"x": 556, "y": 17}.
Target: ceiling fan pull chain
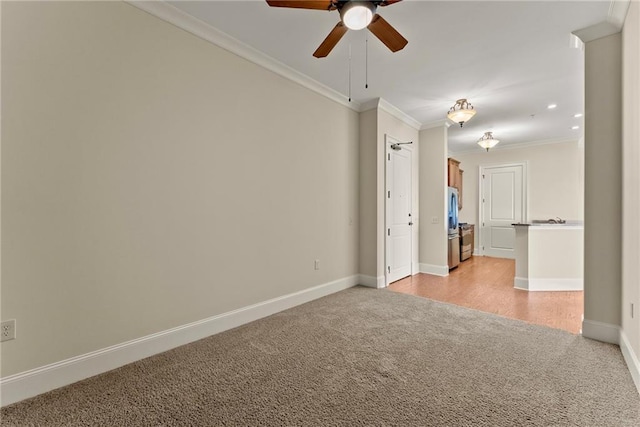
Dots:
{"x": 349, "y": 72}
{"x": 366, "y": 61}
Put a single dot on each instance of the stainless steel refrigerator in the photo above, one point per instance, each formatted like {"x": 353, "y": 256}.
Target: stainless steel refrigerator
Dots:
{"x": 454, "y": 238}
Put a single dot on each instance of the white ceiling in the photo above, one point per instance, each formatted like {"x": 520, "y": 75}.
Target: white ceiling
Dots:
{"x": 510, "y": 59}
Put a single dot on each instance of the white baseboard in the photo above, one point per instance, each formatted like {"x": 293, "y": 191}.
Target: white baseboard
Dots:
{"x": 631, "y": 358}
{"x": 547, "y": 285}
{"x": 372, "y": 282}
{"x": 605, "y": 332}
{"x": 521, "y": 283}
{"x": 415, "y": 268}
{"x": 40, "y": 380}
{"x": 436, "y": 270}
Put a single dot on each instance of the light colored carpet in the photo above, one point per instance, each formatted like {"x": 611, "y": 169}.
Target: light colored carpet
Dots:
{"x": 359, "y": 357}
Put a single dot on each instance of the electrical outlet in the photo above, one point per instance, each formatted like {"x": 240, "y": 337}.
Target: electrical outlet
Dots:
{"x": 434, "y": 220}
{"x": 316, "y": 265}
{"x": 8, "y": 330}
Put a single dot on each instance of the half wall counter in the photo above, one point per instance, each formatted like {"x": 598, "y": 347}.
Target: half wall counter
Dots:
{"x": 549, "y": 256}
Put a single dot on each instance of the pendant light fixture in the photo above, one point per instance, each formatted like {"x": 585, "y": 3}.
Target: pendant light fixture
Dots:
{"x": 487, "y": 141}
{"x": 461, "y": 112}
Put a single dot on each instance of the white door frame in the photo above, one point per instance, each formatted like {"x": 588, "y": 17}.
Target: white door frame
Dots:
{"x": 389, "y": 141}
{"x": 525, "y": 195}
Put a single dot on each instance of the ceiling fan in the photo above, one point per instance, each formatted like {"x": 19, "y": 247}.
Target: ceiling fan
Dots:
{"x": 354, "y": 15}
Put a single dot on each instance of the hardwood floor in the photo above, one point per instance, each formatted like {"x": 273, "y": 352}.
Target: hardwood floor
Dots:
{"x": 486, "y": 284}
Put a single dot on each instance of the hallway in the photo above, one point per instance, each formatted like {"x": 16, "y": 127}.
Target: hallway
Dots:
{"x": 486, "y": 284}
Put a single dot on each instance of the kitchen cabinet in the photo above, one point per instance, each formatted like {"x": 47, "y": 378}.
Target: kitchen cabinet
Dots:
{"x": 454, "y": 174}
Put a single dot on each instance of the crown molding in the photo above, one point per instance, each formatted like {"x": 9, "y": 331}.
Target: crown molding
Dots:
{"x": 192, "y": 25}
{"x": 618, "y": 12}
{"x": 369, "y": 105}
{"x": 387, "y": 107}
{"x": 517, "y": 146}
{"x": 613, "y": 24}
{"x": 444, "y": 122}
{"x": 398, "y": 114}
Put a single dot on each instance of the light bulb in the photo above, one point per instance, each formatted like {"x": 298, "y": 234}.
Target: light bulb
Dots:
{"x": 357, "y": 15}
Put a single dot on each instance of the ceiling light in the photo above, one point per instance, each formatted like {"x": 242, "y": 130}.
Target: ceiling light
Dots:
{"x": 551, "y": 106}
{"x": 575, "y": 127}
{"x": 487, "y": 141}
{"x": 461, "y": 112}
{"x": 357, "y": 15}
{"x": 577, "y": 115}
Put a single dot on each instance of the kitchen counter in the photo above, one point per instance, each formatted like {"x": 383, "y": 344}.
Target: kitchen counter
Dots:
{"x": 549, "y": 257}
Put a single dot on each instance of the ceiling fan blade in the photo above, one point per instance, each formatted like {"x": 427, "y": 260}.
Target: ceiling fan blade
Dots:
{"x": 389, "y": 2}
{"x": 303, "y": 4}
{"x": 331, "y": 41}
{"x": 387, "y": 34}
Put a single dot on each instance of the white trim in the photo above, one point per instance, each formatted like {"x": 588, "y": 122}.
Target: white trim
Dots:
{"x": 552, "y": 284}
{"x": 398, "y": 114}
{"x": 597, "y": 31}
{"x": 618, "y": 12}
{"x": 521, "y": 283}
{"x": 369, "y": 105}
{"x": 40, "y": 380}
{"x": 517, "y": 146}
{"x": 436, "y": 270}
{"x": 415, "y": 268}
{"x": 605, "y": 332}
{"x": 372, "y": 282}
{"x": 201, "y": 29}
{"x": 631, "y": 359}
{"x": 437, "y": 124}
{"x": 612, "y": 25}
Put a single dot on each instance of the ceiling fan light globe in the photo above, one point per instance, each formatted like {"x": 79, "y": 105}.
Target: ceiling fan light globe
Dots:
{"x": 488, "y": 141}
{"x": 461, "y": 116}
{"x": 357, "y": 15}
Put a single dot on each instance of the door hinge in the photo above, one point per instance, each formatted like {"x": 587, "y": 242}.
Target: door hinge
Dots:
{"x": 389, "y": 269}
{"x": 388, "y": 194}
{"x": 388, "y": 156}
{"x": 388, "y": 232}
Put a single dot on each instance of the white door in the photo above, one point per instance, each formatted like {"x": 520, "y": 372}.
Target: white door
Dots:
{"x": 503, "y": 202}
{"x": 399, "y": 220}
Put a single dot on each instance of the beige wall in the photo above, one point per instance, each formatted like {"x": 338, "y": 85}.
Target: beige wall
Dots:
{"x": 555, "y": 179}
{"x": 151, "y": 179}
{"x": 603, "y": 164}
{"x": 368, "y": 254}
{"x": 631, "y": 176}
{"x": 433, "y": 200}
